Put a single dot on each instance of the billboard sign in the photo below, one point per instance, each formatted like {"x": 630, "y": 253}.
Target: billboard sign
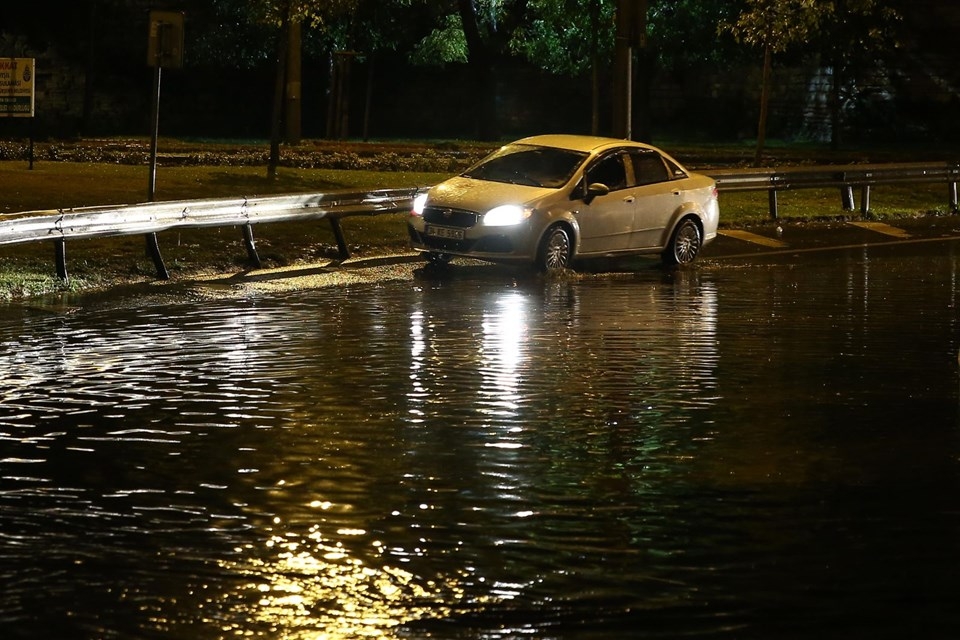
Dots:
{"x": 17, "y": 87}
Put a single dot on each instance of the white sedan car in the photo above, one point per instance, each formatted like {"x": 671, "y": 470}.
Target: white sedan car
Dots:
{"x": 552, "y": 199}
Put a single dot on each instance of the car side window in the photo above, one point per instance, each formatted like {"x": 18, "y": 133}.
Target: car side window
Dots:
{"x": 648, "y": 168}
{"x": 609, "y": 171}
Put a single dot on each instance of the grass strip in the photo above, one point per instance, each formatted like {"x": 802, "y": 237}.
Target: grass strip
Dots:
{"x": 26, "y": 270}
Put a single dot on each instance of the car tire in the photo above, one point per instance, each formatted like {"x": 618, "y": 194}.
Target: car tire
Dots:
{"x": 685, "y": 243}
{"x": 555, "y": 250}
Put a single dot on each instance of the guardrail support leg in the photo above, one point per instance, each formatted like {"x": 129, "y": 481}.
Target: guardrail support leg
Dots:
{"x": 252, "y": 254}
{"x": 954, "y": 208}
{"x": 846, "y": 198}
{"x": 341, "y": 240}
{"x": 865, "y": 199}
{"x": 153, "y": 250}
{"x": 60, "y": 248}
{"x": 772, "y": 198}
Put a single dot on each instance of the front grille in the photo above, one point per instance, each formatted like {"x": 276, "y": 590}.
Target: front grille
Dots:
{"x": 450, "y": 217}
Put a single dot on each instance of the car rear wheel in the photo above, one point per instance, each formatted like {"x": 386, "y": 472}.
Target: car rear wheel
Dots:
{"x": 685, "y": 243}
{"x": 554, "y": 251}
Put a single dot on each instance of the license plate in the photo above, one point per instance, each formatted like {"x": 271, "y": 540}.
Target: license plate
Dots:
{"x": 449, "y": 233}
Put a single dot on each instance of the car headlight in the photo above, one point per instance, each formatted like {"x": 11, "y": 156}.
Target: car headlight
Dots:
{"x": 506, "y": 215}
{"x": 419, "y": 203}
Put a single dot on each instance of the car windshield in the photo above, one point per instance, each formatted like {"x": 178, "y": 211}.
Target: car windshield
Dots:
{"x": 530, "y": 165}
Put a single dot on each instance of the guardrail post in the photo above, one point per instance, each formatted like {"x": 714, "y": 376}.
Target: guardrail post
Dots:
{"x": 60, "y": 250}
{"x": 846, "y": 197}
{"x": 772, "y": 198}
{"x": 341, "y": 240}
{"x": 252, "y": 254}
{"x": 153, "y": 250}
{"x": 865, "y": 199}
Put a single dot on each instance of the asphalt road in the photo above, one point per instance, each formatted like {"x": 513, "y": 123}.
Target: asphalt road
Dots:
{"x": 792, "y": 237}
{"x": 773, "y": 240}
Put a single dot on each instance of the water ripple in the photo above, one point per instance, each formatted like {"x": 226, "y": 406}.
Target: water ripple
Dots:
{"x": 478, "y": 457}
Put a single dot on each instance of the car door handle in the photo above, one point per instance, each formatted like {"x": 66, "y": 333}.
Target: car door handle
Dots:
{"x": 677, "y": 192}
{"x": 629, "y": 199}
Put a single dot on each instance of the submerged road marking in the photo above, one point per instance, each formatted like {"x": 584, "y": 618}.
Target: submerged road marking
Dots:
{"x": 746, "y": 236}
{"x": 880, "y": 227}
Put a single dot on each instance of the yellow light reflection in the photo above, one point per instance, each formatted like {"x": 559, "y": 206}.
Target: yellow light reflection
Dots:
{"x": 504, "y": 337}
{"x": 313, "y": 587}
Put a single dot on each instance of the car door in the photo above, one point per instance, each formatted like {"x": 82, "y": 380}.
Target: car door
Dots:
{"x": 657, "y": 195}
{"x": 606, "y": 221}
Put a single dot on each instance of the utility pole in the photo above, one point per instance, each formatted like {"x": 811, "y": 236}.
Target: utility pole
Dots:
{"x": 631, "y": 39}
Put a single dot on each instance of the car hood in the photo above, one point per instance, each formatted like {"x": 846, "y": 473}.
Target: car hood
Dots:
{"x": 482, "y": 195}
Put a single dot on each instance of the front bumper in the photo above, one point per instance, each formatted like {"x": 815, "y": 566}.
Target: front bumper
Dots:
{"x": 459, "y": 232}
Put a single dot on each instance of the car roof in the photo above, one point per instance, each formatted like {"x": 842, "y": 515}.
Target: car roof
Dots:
{"x": 587, "y": 144}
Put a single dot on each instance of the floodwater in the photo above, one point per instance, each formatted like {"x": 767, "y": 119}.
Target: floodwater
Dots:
{"x": 750, "y": 449}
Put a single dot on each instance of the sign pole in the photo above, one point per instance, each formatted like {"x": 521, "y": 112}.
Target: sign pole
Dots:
{"x": 153, "y": 245}
{"x": 164, "y": 49}
{"x": 154, "y": 134}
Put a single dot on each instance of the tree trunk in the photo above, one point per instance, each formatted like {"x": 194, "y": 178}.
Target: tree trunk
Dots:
{"x": 276, "y": 126}
{"x": 595, "y": 67}
{"x": 764, "y": 102}
{"x": 292, "y": 122}
{"x": 836, "y": 121}
{"x": 368, "y": 98}
{"x": 479, "y": 60}
{"x": 594, "y": 93}
{"x": 622, "y": 84}
{"x": 642, "y": 126}
{"x": 88, "y": 77}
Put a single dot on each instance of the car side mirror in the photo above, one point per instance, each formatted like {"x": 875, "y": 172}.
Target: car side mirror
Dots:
{"x": 595, "y": 189}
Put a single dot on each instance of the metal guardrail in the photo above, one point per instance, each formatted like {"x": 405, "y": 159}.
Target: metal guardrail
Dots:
{"x": 150, "y": 218}
{"x": 844, "y": 177}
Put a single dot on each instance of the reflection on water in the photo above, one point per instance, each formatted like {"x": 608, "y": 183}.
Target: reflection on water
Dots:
{"x": 741, "y": 451}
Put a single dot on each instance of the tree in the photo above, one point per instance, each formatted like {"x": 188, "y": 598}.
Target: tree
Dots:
{"x": 774, "y": 26}
{"x": 569, "y": 37}
{"x": 683, "y": 33}
{"x": 853, "y": 36}
{"x": 574, "y": 37}
{"x": 475, "y": 32}
{"x": 375, "y": 28}
{"x": 479, "y": 35}
{"x": 287, "y": 16}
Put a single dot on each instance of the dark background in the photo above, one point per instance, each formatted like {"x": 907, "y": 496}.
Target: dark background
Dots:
{"x": 93, "y": 80}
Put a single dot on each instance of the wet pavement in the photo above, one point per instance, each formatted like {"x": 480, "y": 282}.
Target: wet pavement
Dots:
{"x": 791, "y": 236}
{"x": 772, "y": 240}
{"x": 765, "y": 445}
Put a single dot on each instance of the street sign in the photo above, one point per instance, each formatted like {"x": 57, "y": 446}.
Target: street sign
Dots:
{"x": 165, "y": 44}
{"x": 17, "y": 87}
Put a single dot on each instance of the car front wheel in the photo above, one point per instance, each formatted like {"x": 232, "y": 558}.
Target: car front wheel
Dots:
{"x": 554, "y": 251}
{"x": 684, "y": 244}
{"x": 438, "y": 259}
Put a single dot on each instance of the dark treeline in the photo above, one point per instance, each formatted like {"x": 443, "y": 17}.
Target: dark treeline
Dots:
{"x": 867, "y": 70}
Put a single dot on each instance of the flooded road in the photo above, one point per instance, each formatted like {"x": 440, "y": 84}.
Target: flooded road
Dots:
{"x": 746, "y": 450}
